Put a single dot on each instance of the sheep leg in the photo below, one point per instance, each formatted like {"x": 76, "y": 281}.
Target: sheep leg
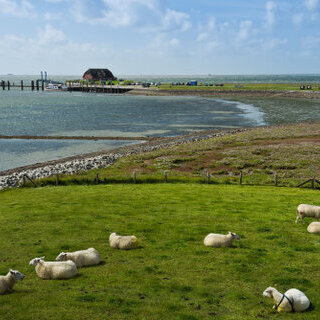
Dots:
{"x": 298, "y": 216}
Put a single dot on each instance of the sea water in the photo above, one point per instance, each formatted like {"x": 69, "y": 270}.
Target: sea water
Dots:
{"x": 74, "y": 114}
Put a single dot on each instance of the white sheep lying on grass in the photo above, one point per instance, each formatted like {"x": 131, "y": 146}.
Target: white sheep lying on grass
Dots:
{"x": 220, "y": 240}
{"x": 314, "y": 227}
{"x": 82, "y": 258}
{"x": 307, "y": 210}
{"x": 292, "y": 300}
{"x": 123, "y": 242}
{"x": 8, "y": 281}
{"x": 54, "y": 269}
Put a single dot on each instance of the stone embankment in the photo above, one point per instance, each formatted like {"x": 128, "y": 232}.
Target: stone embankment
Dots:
{"x": 71, "y": 165}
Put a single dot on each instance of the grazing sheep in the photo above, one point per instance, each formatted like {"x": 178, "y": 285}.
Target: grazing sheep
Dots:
{"x": 220, "y": 240}
{"x": 82, "y": 258}
{"x": 307, "y": 210}
{"x": 123, "y": 242}
{"x": 292, "y": 300}
{"x": 314, "y": 227}
{"x": 54, "y": 269}
{"x": 8, "y": 281}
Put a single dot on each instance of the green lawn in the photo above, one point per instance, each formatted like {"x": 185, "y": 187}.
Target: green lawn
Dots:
{"x": 173, "y": 276}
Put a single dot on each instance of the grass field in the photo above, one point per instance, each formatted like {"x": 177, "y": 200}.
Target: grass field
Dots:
{"x": 173, "y": 276}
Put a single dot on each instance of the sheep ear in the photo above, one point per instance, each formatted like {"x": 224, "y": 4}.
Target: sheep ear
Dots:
{"x": 42, "y": 258}
{"x": 11, "y": 271}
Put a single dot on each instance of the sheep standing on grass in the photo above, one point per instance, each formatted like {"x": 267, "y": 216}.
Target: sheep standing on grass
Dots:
{"x": 307, "y": 210}
{"x": 8, "y": 281}
{"x": 292, "y": 300}
{"x": 314, "y": 227}
{"x": 123, "y": 242}
{"x": 82, "y": 258}
{"x": 220, "y": 240}
{"x": 53, "y": 269}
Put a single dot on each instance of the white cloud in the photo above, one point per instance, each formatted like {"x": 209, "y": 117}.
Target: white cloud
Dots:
{"x": 50, "y": 35}
{"x": 203, "y": 36}
{"x": 311, "y": 4}
{"x": 50, "y": 50}
{"x": 15, "y": 8}
{"x": 145, "y": 15}
{"x": 174, "y": 42}
{"x": 270, "y": 14}
{"x": 244, "y": 30}
{"x": 175, "y": 21}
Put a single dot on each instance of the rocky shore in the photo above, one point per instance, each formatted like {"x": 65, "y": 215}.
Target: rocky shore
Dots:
{"x": 71, "y": 165}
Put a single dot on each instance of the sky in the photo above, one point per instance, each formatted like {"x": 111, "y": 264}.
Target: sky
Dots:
{"x": 160, "y": 37}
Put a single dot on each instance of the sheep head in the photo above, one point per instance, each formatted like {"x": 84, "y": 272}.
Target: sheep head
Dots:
{"x": 112, "y": 235}
{"x": 17, "y": 275}
{"x": 268, "y": 292}
{"x": 234, "y": 235}
{"x": 35, "y": 261}
{"x": 62, "y": 257}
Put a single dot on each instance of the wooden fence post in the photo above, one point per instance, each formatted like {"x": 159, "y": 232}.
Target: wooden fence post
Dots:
{"x": 96, "y": 180}
{"x": 134, "y": 177}
{"x": 3, "y": 84}
{"x": 21, "y": 84}
{"x": 34, "y": 184}
{"x": 57, "y": 179}
{"x": 8, "y": 84}
{"x": 208, "y": 177}
{"x": 240, "y": 179}
{"x": 32, "y": 85}
{"x": 166, "y": 176}
{"x": 24, "y": 181}
{"x": 37, "y": 85}
{"x": 275, "y": 179}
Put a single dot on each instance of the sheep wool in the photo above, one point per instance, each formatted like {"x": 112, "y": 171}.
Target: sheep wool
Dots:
{"x": 9, "y": 280}
{"x": 307, "y": 210}
{"x": 216, "y": 240}
{"x": 292, "y": 300}
{"x": 123, "y": 242}
{"x": 314, "y": 227}
{"x": 54, "y": 269}
{"x": 82, "y": 258}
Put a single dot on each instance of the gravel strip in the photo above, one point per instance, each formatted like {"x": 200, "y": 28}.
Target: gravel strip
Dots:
{"x": 71, "y": 165}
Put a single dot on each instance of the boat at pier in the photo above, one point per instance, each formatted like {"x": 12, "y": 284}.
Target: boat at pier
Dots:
{"x": 55, "y": 86}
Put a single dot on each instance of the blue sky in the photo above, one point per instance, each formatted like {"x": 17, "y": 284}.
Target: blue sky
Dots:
{"x": 160, "y": 36}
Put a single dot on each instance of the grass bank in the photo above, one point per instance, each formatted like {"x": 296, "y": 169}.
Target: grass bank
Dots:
{"x": 243, "y": 87}
{"x": 291, "y": 152}
{"x": 173, "y": 276}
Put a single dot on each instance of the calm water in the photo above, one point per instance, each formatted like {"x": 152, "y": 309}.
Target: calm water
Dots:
{"x": 65, "y": 113}
{"x": 277, "y": 78}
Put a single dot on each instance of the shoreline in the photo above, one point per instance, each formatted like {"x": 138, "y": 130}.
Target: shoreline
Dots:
{"x": 96, "y": 160}
{"x": 228, "y": 93}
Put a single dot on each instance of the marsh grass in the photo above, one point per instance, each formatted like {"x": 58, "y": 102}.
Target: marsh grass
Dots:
{"x": 173, "y": 276}
{"x": 291, "y": 152}
{"x": 246, "y": 86}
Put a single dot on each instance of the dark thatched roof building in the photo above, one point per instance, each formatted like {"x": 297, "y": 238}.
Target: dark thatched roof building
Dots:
{"x": 98, "y": 74}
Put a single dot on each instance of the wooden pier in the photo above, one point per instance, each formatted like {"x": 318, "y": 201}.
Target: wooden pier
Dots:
{"x": 76, "y": 86}
{"x": 101, "y": 88}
